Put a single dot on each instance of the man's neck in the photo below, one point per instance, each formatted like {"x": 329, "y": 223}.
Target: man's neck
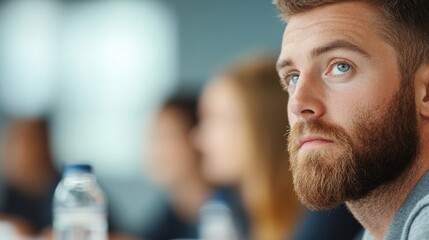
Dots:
{"x": 376, "y": 211}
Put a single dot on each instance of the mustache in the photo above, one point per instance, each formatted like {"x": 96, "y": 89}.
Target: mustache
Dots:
{"x": 318, "y": 128}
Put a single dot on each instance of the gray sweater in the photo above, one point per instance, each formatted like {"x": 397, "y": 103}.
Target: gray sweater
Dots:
{"x": 411, "y": 221}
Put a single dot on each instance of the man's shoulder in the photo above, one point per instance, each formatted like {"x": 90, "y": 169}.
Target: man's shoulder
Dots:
{"x": 417, "y": 225}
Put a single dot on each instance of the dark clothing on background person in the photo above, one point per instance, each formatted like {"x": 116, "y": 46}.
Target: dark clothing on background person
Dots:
{"x": 335, "y": 224}
{"x": 168, "y": 225}
{"x": 36, "y": 210}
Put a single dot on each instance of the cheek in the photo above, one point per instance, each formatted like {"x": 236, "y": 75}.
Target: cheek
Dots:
{"x": 348, "y": 109}
{"x": 186, "y": 155}
{"x": 225, "y": 155}
{"x": 342, "y": 110}
{"x": 226, "y": 146}
{"x": 291, "y": 117}
{"x": 238, "y": 151}
{"x": 165, "y": 149}
{"x": 171, "y": 161}
{"x": 216, "y": 138}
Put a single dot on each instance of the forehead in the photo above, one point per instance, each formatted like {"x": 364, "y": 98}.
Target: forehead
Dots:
{"x": 355, "y": 22}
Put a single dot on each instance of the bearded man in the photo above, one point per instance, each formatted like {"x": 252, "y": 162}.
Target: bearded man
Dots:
{"x": 357, "y": 75}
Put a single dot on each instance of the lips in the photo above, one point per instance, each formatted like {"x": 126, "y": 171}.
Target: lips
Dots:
{"x": 313, "y": 140}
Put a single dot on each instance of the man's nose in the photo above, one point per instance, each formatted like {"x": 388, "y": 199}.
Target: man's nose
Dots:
{"x": 305, "y": 101}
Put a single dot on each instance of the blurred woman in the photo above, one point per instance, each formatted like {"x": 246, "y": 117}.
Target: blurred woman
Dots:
{"x": 175, "y": 167}
{"x": 242, "y": 138}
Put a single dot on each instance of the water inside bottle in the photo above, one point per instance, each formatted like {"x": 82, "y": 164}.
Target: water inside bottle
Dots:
{"x": 80, "y": 224}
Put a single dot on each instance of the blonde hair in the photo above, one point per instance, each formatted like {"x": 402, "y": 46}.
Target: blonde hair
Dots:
{"x": 267, "y": 187}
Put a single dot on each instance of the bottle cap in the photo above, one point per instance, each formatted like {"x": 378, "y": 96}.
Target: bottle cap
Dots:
{"x": 77, "y": 167}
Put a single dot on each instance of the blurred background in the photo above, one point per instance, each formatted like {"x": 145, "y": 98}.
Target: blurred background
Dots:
{"x": 99, "y": 69}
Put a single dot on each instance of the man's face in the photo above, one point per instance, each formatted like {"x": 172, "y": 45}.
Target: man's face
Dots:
{"x": 353, "y": 121}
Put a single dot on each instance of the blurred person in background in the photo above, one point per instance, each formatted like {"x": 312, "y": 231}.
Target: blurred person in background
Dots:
{"x": 174, "y": 165}
{"x": 242, "y": 138}
{"x": 29, "y": 175}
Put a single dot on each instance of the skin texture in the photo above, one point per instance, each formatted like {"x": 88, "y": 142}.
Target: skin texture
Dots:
{"x": 317, "y": 44}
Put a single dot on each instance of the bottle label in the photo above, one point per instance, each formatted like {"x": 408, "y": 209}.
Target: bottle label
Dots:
{"x": 80, "y": 224}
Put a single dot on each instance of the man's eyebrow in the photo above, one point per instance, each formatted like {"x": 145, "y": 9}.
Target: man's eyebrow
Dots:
{"x": 338, "y": 44}
{"x": 283, "y": 63}
{"x": 331, "y": 46}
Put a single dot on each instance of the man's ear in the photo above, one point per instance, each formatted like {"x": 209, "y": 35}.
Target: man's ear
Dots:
{"x": 422, "y": 89}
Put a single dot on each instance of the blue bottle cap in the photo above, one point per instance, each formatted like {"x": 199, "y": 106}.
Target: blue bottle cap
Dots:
{"x": 77, "y": 167}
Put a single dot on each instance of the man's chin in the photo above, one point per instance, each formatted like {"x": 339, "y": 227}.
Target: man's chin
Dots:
{"x": 321, "y": 180}
{"x": 318, "y": 197}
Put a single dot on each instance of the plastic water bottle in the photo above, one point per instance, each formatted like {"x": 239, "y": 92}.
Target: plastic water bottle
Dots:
{"x": 7, "y": 231}
{"x": 79, "y": 206}
{"x": 216, "y": 222}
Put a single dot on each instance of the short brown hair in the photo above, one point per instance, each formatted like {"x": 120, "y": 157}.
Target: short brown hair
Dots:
{"x": 405, "y": 24}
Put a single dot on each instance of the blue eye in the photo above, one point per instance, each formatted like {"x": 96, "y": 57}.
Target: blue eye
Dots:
{"x": 341, "y": 68}
{"x": 293, "y": 79}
